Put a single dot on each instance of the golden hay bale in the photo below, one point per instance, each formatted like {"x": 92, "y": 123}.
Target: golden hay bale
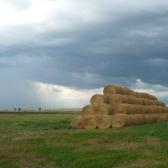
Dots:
{"x": 126, "y": 109}
{"x": 77, "y": 122}
{"x": 130, "y": 109}
{"x": 105, "y": 109}
{"x": 99, "y": 99}
{"x": 152, "y": 118}
{"x": 88, "y": 110}
{"x": 135, "y": 119}
{"x": 139, "y": 109}
{"x": 114, "y": 89}
{"x": 103, "y": 121}
{"x": 129, "y": 99}
{"x": 102, "y": 109}
{"x": 152, "y": 102}
{"x": 120, "y": 120}
{"x": 133, "y": 100}
{"x": 113, "y": 109}
{"x": 154, "y": 109}
{"x": 89, "y": 122}
{"x": 144, "y": 95}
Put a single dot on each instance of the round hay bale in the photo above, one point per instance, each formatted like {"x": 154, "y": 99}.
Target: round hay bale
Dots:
{"x": 116, "y": 99}
{"x": 89, "y": 122}
{"x": 77, "y": 122}
{"x": 129, "y": 109}
{"x": 114, "y": 109}
{"x": 140, "y": 109}
{"x": 157, "y": 109}
{"x": 115, "y": 89}
{"x": 133, "y": 100}
{"x": 118, "y": 120}
{"x": 144, "y": 95}
{"x": 130, "y": 99}
{"x": 99, "y": 99}
{"x": 87, "y": 110}
{"x": 134, "y": 119}
{"x": 119, "y": 109}
{"x": 102, "y": 109}
{"x": 103, "y": 121}
{"x": 152, "y": 118}
{"x": 142, "y": 118}
{"x": 152, "y": 102}
{"x": 152, "y": 109}
{"x": 105, "y": 109}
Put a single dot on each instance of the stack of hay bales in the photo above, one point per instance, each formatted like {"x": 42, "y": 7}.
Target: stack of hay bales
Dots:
{"x": 118, "y": 107}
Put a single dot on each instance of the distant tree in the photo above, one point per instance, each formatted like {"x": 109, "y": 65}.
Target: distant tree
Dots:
{"x": 15, "y": 109}
{"x": 19, "y": 109}
{"x": 39, "y": 108}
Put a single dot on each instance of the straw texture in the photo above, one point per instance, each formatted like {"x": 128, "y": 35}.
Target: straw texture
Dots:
{"x": 103, "y": 121}
{"x": 102, "y": 109}
{"x": 130, "y": 99}
{"x": 118, "y": 107}
{"x": 139, "y": 109}
{"x": 114, "y": 89}
{"x": 99, "y": 99}
{"x": 120, "y": 120}
{"x": 77, "y": 122}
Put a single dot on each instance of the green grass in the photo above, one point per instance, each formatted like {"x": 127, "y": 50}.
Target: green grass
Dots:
{"x": 48, "y": 141}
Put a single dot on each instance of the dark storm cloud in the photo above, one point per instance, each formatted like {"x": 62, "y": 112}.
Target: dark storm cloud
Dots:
{"x": 116, "y": 51}
{"x": 17, "y": 91}
{"x": 122, "y": 45}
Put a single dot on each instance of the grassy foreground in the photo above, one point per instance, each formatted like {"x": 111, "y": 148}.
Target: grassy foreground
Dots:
{"x": 48, "y": 141}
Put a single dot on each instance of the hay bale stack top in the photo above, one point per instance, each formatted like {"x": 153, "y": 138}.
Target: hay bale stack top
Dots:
{"x": 120, "y": 106}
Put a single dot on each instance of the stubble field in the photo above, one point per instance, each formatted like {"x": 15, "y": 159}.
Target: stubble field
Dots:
{"x": 48, "y": 141}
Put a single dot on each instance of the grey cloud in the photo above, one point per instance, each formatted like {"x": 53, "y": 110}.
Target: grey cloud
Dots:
{"x": 127, "y": 45}
{"x": 16, "y": 92}
{"x": 20, "y": 4}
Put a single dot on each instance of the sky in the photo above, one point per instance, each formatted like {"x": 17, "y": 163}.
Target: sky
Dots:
{"x": 58, "y": 53}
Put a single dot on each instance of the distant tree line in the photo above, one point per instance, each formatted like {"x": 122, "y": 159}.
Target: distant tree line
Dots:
{"x": 19, "y": 109}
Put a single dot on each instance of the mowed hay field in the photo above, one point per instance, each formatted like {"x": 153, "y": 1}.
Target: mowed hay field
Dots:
{"x": 48, "y": 141}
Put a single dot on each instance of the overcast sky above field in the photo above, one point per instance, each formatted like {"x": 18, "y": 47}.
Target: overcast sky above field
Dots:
{"x": 57, "y": 53}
